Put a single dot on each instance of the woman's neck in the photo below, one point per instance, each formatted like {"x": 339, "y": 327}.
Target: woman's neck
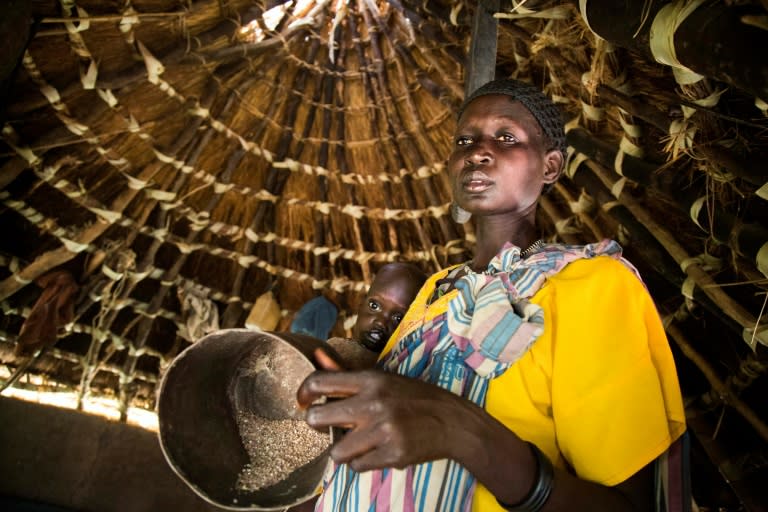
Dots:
{"x": 493, "y": 233}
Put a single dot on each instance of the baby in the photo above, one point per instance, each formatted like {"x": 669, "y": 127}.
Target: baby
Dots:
{"x": 384, "y": 306}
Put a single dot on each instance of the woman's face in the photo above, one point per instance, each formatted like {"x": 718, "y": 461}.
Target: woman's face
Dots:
{"x": 499, "y": 163}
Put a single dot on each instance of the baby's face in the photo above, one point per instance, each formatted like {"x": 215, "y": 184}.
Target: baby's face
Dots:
{"x": 382, "y": 309}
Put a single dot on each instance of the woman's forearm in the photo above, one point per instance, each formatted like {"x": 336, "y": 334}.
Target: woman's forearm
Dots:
{"x": 506, "y": 466}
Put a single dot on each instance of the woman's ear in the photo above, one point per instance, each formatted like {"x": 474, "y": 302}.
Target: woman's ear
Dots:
{"x": 553, "y": 165}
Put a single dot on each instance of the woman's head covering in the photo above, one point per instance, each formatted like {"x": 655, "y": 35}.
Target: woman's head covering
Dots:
{"x": 548, "y": 115}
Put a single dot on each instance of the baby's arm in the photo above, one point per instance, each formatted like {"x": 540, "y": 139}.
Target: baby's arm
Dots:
{"x": 354, "y": 355}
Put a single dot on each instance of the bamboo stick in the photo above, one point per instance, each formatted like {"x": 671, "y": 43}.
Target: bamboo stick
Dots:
{"x": 656, "y": 117}
{"x": 447, "y": 229}
{"x": 653, "y": 251}
{"x": 750, "y": 369}
{"x": 83, "y": 237}
{"x": 68, "y": 357}
{"x": 372, "y": 91}
{"x": 448, "y": 92}
{"x": 481, "y": 59}
{"x": 127, "y": 387}
{"x": 183, "y": 139}
{"x": 433, "y": 32}
{"x": 245, "y": 50}
{"x": 382, "y": 96}
{"x": 142, "y": 268}
{"x": 753, "y": 172}
{"x": 672, "y": 186}
{"x": 323, "y": 91}
{"x": 375, "y": 89}
{"x": 180, "y": 53}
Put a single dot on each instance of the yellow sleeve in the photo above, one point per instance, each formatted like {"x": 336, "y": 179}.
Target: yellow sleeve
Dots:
{"x": 598, "y": 391}
{"x": 616, "y": 402}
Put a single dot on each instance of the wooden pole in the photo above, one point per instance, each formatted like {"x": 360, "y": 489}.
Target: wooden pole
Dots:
{"x": 751, "y": 171}
{"x": 275, "y": 182}
{"x": 130, "y": 75}
{"x": 712, "y": 40}
{"x": 422, "y": 152}
{"x": 481, "y": 60}
{"x": 326, "y": 90}
{"x": 703, "y": 280}
{"x": 432, "y": 28}
{"x": 405, "y": 146}
{"x": 15, "y": 33}
{"x": 655, "y": 254}
{"x": 748, "y": 238}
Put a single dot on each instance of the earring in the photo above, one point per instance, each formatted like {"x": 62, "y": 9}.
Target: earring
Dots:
{"x": 459, "y": 214}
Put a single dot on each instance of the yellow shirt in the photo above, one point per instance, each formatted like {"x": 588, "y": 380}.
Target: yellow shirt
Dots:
{"x": 599, "y": 388}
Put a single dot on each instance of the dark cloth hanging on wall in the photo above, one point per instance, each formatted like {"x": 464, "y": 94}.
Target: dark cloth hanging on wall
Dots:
{"x": 315, "y": 318}
{"x": 54, "y": 308}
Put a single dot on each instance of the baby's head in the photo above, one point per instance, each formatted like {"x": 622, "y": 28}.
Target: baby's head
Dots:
{"x": 391, "y": 293}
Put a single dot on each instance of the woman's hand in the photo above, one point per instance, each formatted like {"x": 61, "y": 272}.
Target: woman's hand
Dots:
{"x": 395, "y": 421}
{"x": 392, "y": 421}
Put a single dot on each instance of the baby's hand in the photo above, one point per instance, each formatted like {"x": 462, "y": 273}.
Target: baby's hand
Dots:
{"x": 352, "y": 355}
{"x": 325, "y": 362}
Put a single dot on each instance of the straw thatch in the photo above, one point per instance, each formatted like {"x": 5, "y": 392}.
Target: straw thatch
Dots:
{"x": 167, "y": 162}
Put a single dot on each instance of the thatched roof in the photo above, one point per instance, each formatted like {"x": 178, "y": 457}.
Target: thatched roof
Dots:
{"x": 174, "y": 154}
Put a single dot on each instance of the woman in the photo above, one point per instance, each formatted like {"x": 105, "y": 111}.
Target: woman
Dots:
{"x": 535, "y": 377}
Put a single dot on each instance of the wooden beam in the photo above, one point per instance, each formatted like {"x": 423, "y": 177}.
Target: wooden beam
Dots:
{"x": 481, "y": 60}
{"x": 15, "y": 32}
{"x": 712, "y": 40}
